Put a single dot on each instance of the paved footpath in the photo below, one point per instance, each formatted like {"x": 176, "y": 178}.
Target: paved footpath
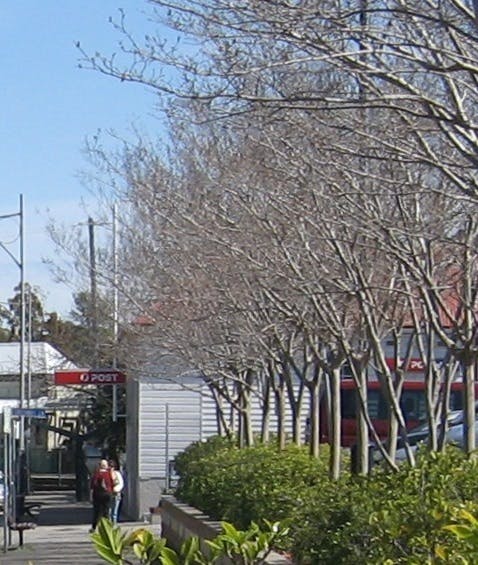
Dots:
{"x": 61, "y": 535}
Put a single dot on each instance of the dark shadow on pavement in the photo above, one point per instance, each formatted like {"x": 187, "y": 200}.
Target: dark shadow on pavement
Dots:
{"x": 61, "y": 508}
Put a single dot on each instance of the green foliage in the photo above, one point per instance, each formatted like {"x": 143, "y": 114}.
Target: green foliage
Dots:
{"x": 398, "y": 517}
{"x": 110, "y": 542}
{"x": 249, "y": 547}
{"x": 389, "y": 517}
{"x": 188, "y": 461}
{"x": 465, "y": 529}
{"x": 11, "y": 316}
{"x": 117, "y": 548}
{"x": 97, "y": 419}
{"x": 246, "y": 485}
{"x": 148, "y": 549}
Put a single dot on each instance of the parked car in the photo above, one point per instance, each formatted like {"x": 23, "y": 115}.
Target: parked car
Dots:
{"x": 453, "y": 435}
{"x": 421, "y": 433}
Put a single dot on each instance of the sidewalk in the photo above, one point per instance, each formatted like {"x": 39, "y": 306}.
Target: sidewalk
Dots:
{"x": 61, "y": 535}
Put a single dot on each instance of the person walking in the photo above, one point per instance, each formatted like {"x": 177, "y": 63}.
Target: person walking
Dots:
{"x": 118, "y": 486}
{"x": 101, "y": 491}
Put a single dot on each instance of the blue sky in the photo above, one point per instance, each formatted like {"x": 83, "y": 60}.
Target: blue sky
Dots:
{"x": 49, "y": 107}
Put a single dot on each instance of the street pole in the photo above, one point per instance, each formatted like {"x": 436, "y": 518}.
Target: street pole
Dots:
{"x": 20, "y": 263}
{"x": 115, "y": 314}
{"x": 22, "y": 328}
{"x": 29, "y": 348}
{"x": 93, "y": 290}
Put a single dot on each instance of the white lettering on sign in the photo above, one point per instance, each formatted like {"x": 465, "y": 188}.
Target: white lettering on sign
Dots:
{"x": 416, "y": 365}
{"x": 100, "y": 378}
{"x": 86, "y": 377}
{"x": 103, "y": 377}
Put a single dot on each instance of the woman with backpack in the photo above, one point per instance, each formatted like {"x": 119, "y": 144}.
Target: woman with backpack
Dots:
{"x": 101, "y": 491}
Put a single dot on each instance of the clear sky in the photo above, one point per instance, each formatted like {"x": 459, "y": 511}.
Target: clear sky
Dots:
{"x": 49, "y": 107}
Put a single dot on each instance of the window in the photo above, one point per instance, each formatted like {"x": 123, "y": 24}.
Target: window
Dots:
{"x": 413, "y": 404}
{"x": 377, "y": 407}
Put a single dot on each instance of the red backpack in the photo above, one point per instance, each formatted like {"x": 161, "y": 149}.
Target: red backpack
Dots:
{"x": 102, "y": 483}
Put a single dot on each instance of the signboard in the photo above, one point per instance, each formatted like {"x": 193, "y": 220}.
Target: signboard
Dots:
{"x": 37, "y": 413}
{"x": 414, "y": 365}
{"x": 96, "y": 377}
{"x": 7, "y": 417}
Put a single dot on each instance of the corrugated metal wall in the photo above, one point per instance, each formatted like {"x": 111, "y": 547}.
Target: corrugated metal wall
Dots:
{"x": 165, "y": 415}
{"x": 174, "y": 413}
{"x": 170, "y": 419}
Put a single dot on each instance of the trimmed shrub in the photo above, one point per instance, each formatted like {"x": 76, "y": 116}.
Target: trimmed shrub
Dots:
{"x": 250, "y": 484}
{"x": 398, "y": 517}
{"x": 388, "y": 517}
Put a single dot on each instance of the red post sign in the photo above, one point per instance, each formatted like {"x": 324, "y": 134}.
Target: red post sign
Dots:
{"x": 89, "y": 377}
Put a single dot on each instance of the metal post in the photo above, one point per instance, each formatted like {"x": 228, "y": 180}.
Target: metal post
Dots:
{"x": 115, "y": 314}
{"x": 29, "y": 349}
{"x": 59, "y": 466}
{"x": 27, "y": 431}
{"x": 12, "y": 494}
{"x": 93, "y": 290}
{"x": 5, "y": 491}
{"x": 22, "y": 328}
{"x": 7, "y": 414}
{"x": 166, "y": 450}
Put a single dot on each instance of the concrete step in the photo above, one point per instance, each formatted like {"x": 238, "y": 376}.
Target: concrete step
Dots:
{"x": 52, "y": 482}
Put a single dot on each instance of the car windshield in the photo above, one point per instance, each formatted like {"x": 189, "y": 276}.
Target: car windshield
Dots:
{"x": 420, "y": 433}
{"x": 454, "y": 417}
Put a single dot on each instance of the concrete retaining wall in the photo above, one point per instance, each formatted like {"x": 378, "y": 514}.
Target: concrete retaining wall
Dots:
{"x": 180, "y": 521}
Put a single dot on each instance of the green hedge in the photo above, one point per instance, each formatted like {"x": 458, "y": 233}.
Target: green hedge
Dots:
{"x": 389, "y": 517}
{"x": 245, "y": 485}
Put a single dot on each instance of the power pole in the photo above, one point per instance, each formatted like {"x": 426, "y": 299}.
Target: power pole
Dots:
{"x": 93, "y": 292}
{"x": 115, "y": 312}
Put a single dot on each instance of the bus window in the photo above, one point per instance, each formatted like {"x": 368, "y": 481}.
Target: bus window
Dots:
{"x": 456, "y": 400}
{"x": 377, "y": 407}
{"x": 413, "y": 405}
{"x": 347, "y": 399}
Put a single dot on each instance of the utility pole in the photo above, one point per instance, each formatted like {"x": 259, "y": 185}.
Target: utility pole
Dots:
{"x": 93, "y": 292}
{"x": 14, "y": 472}
{"x": 115, "y": 314}
{"x": 22, "y": 328}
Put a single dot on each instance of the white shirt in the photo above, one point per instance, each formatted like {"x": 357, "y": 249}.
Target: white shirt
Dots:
{"x": 118, "y": 482}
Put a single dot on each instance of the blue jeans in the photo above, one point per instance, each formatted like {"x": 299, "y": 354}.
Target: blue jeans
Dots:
{"x": 114, "y": 509}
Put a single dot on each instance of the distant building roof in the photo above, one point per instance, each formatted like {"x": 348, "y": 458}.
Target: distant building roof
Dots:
{"x": 44, "y": 359}
{"x": 40, "y": 402}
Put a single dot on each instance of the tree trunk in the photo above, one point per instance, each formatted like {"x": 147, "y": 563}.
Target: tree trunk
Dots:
{"x": 363, "y": 463}
{"x": 280, "y": 409}
{"x": 314, "y": 419}
{"x": 266, "y": 412}
{"x": 469, "y": 404}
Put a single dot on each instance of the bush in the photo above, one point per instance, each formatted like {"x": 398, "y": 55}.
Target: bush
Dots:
{"x": 389, "y": 517}
{"x": 398, "y": 517}
{"x": 250, "y": 484}
{"x": 248, "y": 547}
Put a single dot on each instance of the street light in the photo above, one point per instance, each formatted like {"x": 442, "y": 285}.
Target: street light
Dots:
{"x": 20, "y": 263}
{"x": 114, "y": 225}
{"x": 9, "y": 462}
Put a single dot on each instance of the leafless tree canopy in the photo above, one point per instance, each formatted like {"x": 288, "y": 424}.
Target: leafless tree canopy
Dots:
{"x": 318, "y": 194}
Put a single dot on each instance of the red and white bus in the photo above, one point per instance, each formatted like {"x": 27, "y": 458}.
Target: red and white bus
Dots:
{"x": 412, "y": 401}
